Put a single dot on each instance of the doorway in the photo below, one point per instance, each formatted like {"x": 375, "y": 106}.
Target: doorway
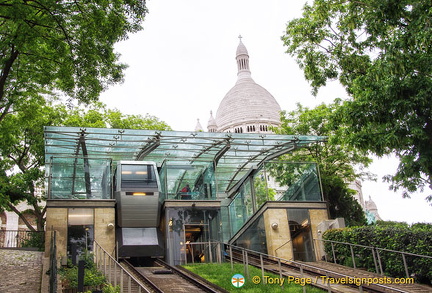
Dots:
{"x": 301, "y": 235}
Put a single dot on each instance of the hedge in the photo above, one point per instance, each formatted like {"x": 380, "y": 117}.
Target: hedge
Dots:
{"x": 416, "y": 239}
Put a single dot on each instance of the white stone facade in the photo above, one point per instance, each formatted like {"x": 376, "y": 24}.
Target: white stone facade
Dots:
{"x": 247, "y": 107}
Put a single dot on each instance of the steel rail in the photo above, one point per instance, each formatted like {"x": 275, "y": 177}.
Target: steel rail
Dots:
{"x": 146, "y": 281}
{"x": 197, "y": 281}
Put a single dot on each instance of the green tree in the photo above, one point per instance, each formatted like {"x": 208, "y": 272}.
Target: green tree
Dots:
{"x": 22, "y": 157}
{"x": 22, "y": 147}
{"x": 262, "y": 192}
{"x": 381, "y": 52}
{"x": 62, "y": 47}
{"x": 99, "y": 116}
{"x": 336, "y": 160}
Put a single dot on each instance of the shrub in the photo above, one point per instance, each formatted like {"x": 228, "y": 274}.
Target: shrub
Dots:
{"x": 415, "y": 239}
{"x": 92, "y": 277}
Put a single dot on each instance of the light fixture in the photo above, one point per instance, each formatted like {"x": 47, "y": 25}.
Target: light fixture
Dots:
{"x": 110, "y": 226}
{"x": 139, "y": 193}
{"x": 274, "y": 225}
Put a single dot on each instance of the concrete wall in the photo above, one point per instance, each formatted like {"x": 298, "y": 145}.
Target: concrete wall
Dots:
{"x": 316, "y": 217}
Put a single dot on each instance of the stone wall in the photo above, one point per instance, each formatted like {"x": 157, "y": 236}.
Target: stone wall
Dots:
{"x": 21, "y": 271}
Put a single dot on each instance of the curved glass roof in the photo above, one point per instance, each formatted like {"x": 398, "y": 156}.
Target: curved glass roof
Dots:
{"x": 232, "y": 154}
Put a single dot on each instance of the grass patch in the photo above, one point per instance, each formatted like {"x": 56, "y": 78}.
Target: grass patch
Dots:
{"x": 221, "y": 274}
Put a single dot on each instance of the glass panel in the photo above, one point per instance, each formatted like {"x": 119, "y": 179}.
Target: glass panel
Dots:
{"x": 76, "y": 178}
{"x": 189, "y": 181}
{"x": 240, "y": 210}
{"x": 189, "y": 232}
{"x": 254, "y": 237}
{"x": 133, "y": 176}
{"x": 294, "y": 181}
{"x": 233, "y": 154}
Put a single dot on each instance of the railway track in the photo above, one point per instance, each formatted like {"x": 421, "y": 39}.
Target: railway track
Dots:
{"x": 320, "y": 276}
{"x": 162, "y": 277}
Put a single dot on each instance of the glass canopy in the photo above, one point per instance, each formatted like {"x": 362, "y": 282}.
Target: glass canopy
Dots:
{"x": 231, "y": 155}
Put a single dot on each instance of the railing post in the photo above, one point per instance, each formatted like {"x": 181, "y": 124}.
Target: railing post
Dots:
{"x": 121, "y": 280}
{"x": 231, "y": 258}
{"x": 113, "y": 271}
{"x": 104, "y": 264}
{"x": 405, "y": 265}
{"x": 375, "y": 262}
{"x": 280, "y": 270}
{"x": 210, "y": 252}
{"x": 352, "y": 256}
{"x": 247, "y": 264}
{"x": 333, "y": 252}
{"x": 379, "y": 262}
{"x": 262, "y": 266}
{"x": 328, "y": 284}
{"x": 302, "y": 276}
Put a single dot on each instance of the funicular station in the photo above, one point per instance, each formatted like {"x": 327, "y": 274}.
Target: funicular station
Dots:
{"x": 171, "y": 195}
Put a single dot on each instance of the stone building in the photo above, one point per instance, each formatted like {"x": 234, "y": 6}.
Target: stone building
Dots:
{"x": 247, "y": 107}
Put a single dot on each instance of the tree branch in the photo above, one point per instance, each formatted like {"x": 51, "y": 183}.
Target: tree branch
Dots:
{"x": 21, "y": 216}
{"x": 6, "y": 70}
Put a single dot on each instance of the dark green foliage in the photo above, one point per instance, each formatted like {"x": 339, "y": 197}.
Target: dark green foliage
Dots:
{"x": 35, "y": 240}
{"x": 92, "y": 277}
{"x": 68, "y": 46}
{"x": 380, "y": 52}
{"x": 416, "y": 239}
{"x": 335, "y": 158}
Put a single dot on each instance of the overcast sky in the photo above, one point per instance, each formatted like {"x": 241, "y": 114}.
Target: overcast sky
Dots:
{"x": 183, "y": 63}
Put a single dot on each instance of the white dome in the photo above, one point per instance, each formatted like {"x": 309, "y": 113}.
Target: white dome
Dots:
{"x": 247, "y": 102}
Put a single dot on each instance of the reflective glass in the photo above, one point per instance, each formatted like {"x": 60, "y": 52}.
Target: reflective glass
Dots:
{"x": 254, "y": 238}
{"x": 220, "y": 159}
{"x": 293, "y": 181}
{"x": 75, "y": 178}
{"x": 301, "y": 235}
{"x": 133, "y": 176}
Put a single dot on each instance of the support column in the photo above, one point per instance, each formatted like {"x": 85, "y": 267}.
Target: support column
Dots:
{"x": 277, "y": 233}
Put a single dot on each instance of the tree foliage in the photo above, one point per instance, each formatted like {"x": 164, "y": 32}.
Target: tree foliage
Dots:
{"x": 22, "y": 147}
{"x": 336, "y": 160}
{"x": 381, "y": 52}
{"x": 52, "y": 47}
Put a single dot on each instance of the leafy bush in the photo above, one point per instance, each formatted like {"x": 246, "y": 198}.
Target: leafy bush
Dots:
{"x": 35, "y": 240}
{"x": 92, "y": 277}
{"x": 415, "y": 239}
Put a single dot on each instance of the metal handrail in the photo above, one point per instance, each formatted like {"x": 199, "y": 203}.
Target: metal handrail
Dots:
{"x": 18, "y": 238}
{"x": 282, "y": 246}
{"x": 119, "y": 270}
{"x": 375, "y": 255}
{"x": 366, "y": 246}
{"x": 300, "y": 265}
